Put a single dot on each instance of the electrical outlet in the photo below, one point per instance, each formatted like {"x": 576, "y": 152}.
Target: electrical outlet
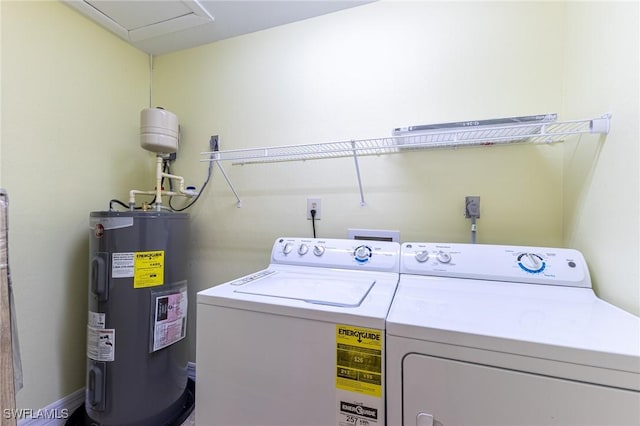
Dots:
{"x": 314, "y": 204}
{"x": 472, "y": 207}
{"x": 213, "y": 143}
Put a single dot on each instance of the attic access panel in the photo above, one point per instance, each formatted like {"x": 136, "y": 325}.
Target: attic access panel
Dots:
{"x": 141, "y": 20}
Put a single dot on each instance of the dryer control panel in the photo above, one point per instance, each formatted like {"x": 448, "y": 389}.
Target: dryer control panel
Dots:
{"x": 534, "y": 265}
{"x": 379, "y": 256}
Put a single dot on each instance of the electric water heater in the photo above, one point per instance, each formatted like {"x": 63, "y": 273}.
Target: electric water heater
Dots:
{"x": 136, "y": 348}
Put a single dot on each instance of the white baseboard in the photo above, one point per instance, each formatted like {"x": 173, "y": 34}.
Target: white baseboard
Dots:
{"x": 57, "y": 413}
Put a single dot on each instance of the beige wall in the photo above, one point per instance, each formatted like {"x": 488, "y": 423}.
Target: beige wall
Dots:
{"x": 601, "y": 180}
{"x": 72, "y": 92}
{"x": 71, "y": 95}
{"x": 358, "y": 74}
{"x": 1, "y": 31}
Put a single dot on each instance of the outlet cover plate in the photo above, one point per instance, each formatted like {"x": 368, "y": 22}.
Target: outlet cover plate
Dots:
{"x": 314, "y": 203}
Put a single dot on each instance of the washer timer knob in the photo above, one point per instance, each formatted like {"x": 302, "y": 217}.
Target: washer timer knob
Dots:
{"x": 318, "y": 250}
{"x": 531, "y": 262}
{"x": 303, "y": 249}
{"x": 362, "y": 254}
{"x": 422, "y": 256}
{"x": 443, "y": 257}
{"x": 287, "y": 248}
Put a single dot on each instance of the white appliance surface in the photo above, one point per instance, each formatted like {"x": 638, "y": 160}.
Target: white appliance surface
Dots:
{"x": 300, "y": 342}
{"x": 323, "y": 291}
{"x": 506, "y": 335}
{"x": 308, "y": 292}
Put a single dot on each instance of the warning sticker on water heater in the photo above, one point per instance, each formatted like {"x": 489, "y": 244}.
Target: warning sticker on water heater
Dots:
{"x": 170, "y": 319}
{"x": 359, "y": 360}
{"x": 148, "y": 269}
{"x": 97, "y": 319}
{"x": 101, "y": 343}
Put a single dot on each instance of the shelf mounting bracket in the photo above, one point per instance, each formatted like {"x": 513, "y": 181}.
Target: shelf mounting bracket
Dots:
{"x": 355, "y": 160}
{"x": 216, "y": 153}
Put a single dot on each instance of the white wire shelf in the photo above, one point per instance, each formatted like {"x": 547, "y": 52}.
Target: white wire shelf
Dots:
{"x": 532, "y": 133}
{"x": 538, "y": 132}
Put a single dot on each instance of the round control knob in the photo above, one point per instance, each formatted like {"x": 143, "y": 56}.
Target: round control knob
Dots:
{"x": 318, "y": 250}
{"x": 303, "y": 249}
{"x": 362, "y": 254}
{"x": 422, "y": 256}
{"x": 287, "y": 248}
{"x": 531, "y": 262}
{"x": 443, "y": 257}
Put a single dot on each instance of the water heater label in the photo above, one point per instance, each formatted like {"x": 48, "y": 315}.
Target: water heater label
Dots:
{"x": 97, "y": 319}
{"x": 170, "y": 319}
{"x": 148, "y": 269}
{"x": 122, "y": 265}
{"x": 101, "y": 343}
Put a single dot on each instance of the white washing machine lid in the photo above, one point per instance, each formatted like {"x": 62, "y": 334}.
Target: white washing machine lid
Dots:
{"x": 332, "y": 291}
{"x": 361, "y": 298}
{"x": 566, "y": 324}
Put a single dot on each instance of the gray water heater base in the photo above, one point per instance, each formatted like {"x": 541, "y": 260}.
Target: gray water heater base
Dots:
{"x": 174, "y": 416}
{"x": 136, "y": 331}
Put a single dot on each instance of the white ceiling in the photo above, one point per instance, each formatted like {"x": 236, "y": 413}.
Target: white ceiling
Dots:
{"x": 163, "y": 26}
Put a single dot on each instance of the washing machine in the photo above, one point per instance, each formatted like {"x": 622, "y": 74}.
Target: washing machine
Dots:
{"x": 504, "y": 335}
{"x": 300, "y": 342}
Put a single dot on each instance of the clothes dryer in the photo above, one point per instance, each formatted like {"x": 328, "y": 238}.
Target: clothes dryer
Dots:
{"x": 504, "y": 335}
{"x": 300, "y": 342}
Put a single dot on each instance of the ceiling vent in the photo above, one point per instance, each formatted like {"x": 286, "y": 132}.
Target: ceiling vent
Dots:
{"x": 142, "y": 20}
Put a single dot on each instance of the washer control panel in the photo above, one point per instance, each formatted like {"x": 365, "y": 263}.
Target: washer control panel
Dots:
{"x": 534, "y": 265}
{"x": 335, "y": 253}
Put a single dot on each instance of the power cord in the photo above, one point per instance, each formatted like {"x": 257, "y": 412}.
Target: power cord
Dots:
{"x": 313, "y": 221}
{"x": 204, "y": 185}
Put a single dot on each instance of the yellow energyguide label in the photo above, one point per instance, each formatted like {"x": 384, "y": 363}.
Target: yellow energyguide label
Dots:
{"x": 359, "y": 359}
{"x": 148, "y": 267}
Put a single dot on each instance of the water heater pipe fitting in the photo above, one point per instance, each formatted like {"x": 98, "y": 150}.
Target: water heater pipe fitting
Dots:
{"x": 159, "y": 192}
